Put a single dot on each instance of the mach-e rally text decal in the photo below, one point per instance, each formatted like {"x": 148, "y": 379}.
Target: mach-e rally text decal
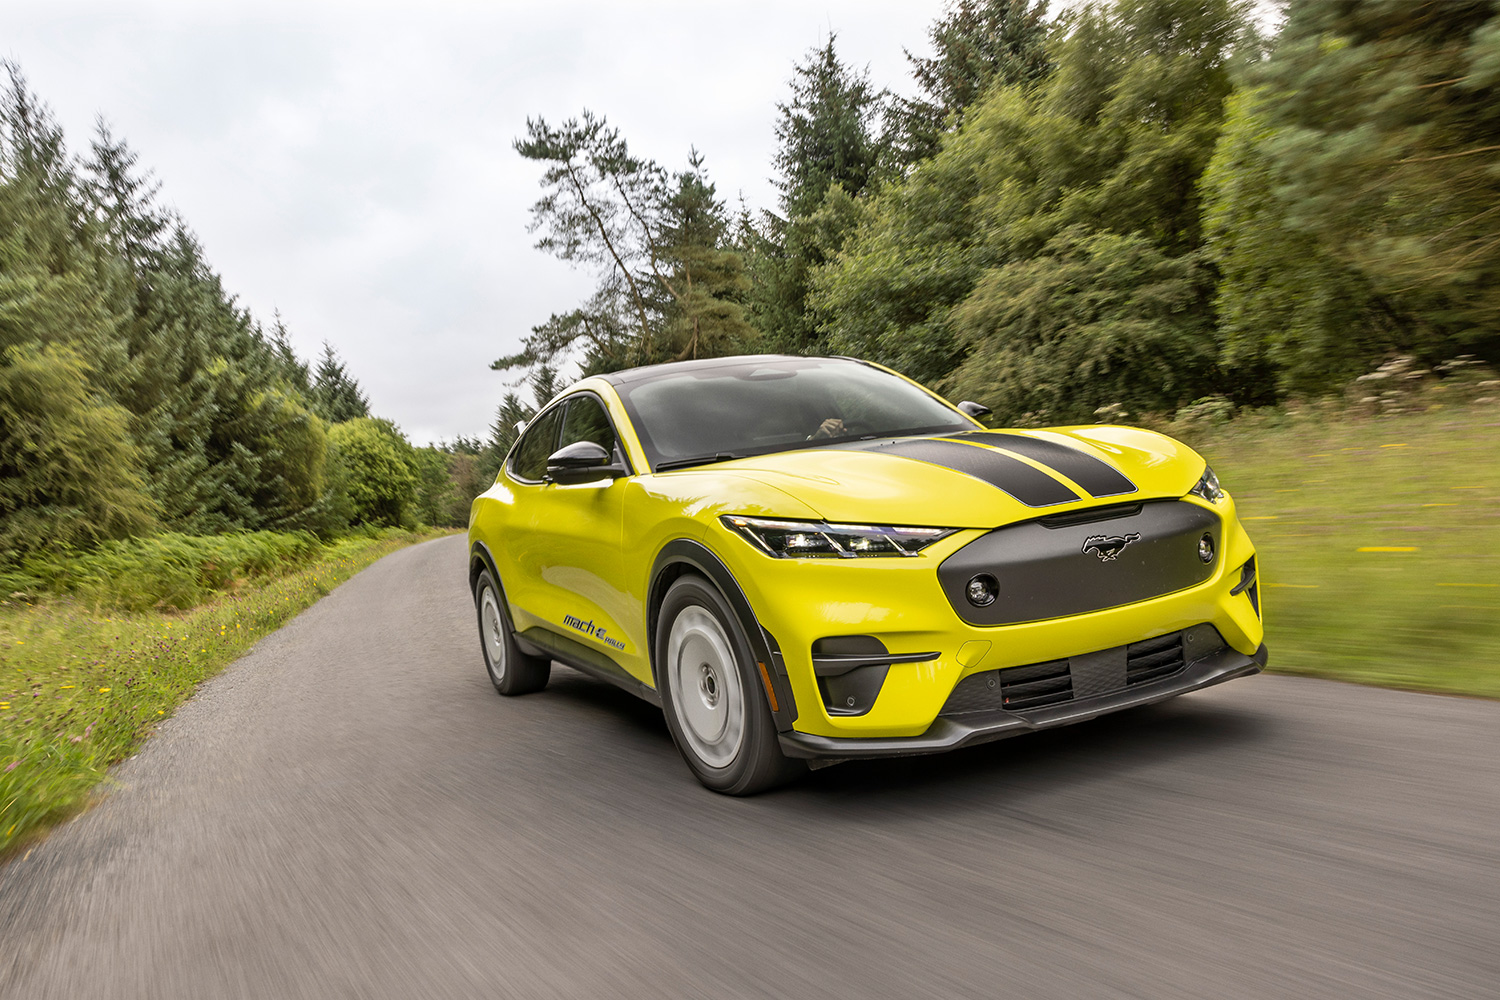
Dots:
{"x": 588, "y": 628}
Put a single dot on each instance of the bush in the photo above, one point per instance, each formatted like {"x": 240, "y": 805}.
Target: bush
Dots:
{"x": 376, "y": 463}
{"x": 170, "y": 570}
{"x": 69, "y": 474}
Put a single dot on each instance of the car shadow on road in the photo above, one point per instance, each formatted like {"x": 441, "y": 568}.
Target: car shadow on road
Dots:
{"x": 1194, "y": 730}
{"x": 1181, "y": 735}
{"x": 600, "y": 696}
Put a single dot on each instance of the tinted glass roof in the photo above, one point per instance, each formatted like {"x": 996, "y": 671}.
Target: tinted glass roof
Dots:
{"x": 701, "y": 365}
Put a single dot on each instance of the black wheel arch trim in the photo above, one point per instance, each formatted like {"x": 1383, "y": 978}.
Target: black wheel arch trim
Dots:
{"x": 699, "y": 558}
{"x": 480, "y": 559}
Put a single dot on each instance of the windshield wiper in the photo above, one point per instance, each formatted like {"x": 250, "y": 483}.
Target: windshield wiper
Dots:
{"x": 680, "y": 463}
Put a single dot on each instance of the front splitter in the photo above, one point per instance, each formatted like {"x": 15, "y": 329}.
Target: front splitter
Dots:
{"x": 950, "y": 733}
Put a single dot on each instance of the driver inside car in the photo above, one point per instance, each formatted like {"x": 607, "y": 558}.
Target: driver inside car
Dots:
{"x": 830, "y": 428}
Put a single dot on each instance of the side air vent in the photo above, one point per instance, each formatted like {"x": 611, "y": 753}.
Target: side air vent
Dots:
{"x": 1249, "y": 585}
{"x": 851, "y": 670}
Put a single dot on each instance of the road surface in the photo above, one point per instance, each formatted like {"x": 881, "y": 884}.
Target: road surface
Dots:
{"x": 350, "y": 811}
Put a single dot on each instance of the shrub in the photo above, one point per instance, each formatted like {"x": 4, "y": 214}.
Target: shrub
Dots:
{"x": 170, "y": 570}
{"x": 68, "y": 470}
{"x": 376, "y": 462}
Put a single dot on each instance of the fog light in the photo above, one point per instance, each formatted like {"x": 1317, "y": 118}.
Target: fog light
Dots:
{"x": 1206, "y": 548}
{"x": 983, "y": 590}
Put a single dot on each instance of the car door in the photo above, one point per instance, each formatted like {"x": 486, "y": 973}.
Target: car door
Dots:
{"x": 571, "y": 549}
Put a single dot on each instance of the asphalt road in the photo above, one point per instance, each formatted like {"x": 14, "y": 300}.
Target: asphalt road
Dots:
{"x": 350, "y": 811}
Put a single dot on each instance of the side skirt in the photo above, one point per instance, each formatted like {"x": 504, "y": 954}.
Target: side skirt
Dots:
{"x": 538, "y": 641}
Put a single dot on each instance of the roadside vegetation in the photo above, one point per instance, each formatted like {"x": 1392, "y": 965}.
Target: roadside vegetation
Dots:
{"x": 1378, "y": 538}
{"x": 175, "y": 482}
{"x": 84, "y": 679}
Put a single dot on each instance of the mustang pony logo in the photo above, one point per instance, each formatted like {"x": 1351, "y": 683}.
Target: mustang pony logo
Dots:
{"x": 1108, "y": 547}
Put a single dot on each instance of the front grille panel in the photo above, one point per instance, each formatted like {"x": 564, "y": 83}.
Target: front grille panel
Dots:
{"x": 1073, "y": 564}
{"x": 1088, "y": 675}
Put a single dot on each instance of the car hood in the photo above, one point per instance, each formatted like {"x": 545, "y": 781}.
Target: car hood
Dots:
{"x": 979, "y": 479}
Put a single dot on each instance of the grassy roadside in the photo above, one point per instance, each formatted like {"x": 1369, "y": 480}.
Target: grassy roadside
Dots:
{"x": 80, "y": 688}
{"x": 1378, "y": 540}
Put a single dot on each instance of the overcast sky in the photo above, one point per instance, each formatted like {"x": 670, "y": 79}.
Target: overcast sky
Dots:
{"x": 351, "y": 165}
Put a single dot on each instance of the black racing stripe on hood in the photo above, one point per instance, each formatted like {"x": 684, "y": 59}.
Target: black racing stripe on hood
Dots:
{"x": 1029, "y": 485}
{"x": 1098, "y": 477}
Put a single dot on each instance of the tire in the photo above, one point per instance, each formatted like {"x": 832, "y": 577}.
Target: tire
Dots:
{"x": 711, "y": 694}
{"x": 511, "y": 671}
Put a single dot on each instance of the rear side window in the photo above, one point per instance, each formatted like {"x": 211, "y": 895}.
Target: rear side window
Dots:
{"x": 537, "y": 444}
{"x": 587, "y": 421}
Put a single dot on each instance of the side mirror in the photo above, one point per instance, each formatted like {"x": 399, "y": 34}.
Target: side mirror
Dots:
{"x": 582, "y": 462}
{"x": 973, "y": 409}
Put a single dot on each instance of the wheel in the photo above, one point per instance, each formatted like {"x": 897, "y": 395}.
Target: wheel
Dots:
{"x": 511, "y": 671}
{"x": 711, "y": 693}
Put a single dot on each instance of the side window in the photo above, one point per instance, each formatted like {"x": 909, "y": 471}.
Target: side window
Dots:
{"x": 539, "y": 441}
{"x": 587, "y": 421}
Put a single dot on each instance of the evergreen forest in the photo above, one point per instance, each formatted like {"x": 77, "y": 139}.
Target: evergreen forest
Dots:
{"x": 138, "y": 399}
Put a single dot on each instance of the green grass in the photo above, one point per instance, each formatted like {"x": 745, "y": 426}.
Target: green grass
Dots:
{"x": 81, "y": 687}
{"x": 169, "y": 570}
{"x": 1314, "y": 489}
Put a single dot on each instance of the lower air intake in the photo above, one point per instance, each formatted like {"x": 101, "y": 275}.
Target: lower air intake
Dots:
{"x": 1036, "y": 686}
{"x": 1153, "y": 659}
{"x": 1088, "y": 675}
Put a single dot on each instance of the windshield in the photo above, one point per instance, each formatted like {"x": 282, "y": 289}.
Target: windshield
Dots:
{"x": 775, "y": 404}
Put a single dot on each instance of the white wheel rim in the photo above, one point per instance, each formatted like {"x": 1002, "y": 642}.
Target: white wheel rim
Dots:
{"x": 707, "y": 696}
{"x": 492, "y": 632}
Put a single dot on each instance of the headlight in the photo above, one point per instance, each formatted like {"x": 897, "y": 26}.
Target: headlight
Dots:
{"x": 817, "y": 539}
{"x": 1208, "y": 487}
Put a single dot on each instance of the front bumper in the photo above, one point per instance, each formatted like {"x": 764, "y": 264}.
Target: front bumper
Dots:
{"x": 801, "y": 604}
{"x": 947, "y": 733}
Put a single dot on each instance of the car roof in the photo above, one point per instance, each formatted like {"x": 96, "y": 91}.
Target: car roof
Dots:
{"x": 648, "y": 373}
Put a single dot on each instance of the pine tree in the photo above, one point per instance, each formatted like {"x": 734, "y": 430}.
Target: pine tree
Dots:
{"x": 826, "y": 132}
{"x": 827, "y": 148}
{"x": 336, "y": 396}
{"x": 62, "y": 284}
{"x": 976, "y": 44}
{"x": 100, "y": 285}
{"x": 293, "y": 368}
{"x": 70, "y": 475}
{"x": 124, "y": 199}
{"x": 705, "y": 281}
{"x": 503, "y": 433}
{"x": 1284, "y": 301}
{"x": 669, "y": 284}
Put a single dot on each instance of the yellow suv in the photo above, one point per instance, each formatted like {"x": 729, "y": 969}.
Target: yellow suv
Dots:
{"x": 816, "y": 559}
